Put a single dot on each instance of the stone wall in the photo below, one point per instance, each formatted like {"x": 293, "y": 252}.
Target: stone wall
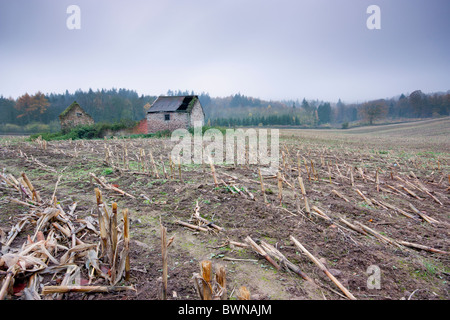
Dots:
{"x": 156, "y": 121}
{"x": 75, "y": 117}
{"x": 197, "y": 114}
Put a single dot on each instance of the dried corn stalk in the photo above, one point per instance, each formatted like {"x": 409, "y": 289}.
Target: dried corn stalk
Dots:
{"x": 210, "y": 287}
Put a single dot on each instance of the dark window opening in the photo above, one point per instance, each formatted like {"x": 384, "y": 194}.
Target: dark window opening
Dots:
{"x": 79, "y": 114}
{"x": 167, "y": 117}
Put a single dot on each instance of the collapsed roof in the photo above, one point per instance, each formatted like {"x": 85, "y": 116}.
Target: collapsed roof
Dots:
{"x": 173, "y": 104}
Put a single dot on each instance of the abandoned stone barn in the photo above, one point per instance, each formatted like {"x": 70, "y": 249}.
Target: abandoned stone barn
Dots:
{"x": 74, "y": 116}
{"x": 174, "y": 112}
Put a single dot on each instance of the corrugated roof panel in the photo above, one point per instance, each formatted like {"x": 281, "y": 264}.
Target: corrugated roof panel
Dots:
{"x": 166, "y": 104}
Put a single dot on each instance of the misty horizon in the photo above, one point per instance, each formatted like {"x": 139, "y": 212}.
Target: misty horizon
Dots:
{"x": 193, "y": 92}
{"x": 284, "y": 50}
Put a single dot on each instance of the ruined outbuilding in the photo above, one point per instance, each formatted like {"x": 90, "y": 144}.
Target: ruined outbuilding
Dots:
{"x": 74, "y": 116}
{"x": 174, "y": 112}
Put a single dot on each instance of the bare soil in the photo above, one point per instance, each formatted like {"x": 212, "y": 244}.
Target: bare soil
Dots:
{"x": 406, "y": 273}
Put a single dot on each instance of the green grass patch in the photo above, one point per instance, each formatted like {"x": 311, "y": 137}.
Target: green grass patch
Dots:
{"x": 98, "y": 131}
{"x": 107, "y": 171}
{"x": 206, "y": 128}
{"x": 95, "y": 131}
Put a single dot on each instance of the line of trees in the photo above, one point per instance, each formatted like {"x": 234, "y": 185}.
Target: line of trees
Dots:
{"x": 415, "y": 105}
{"x": 31, "y": 113}
{"x": 240, "y": 110}
{"x": 40, "y": 111}
{"x": 293, "y": 119}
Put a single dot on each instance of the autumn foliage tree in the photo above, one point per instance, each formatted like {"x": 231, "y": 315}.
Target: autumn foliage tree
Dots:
{"x": 31, "y": 107}
{"x": 374, "y": 110}
{"x": 22, "y": 105}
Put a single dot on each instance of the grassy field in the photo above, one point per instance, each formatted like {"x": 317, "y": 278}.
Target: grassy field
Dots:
{"x": 378, "y": 197}
{"x": 428, "y": 135}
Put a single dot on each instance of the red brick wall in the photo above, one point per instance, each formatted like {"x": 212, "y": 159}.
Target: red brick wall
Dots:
{"x": 141, "y": 128}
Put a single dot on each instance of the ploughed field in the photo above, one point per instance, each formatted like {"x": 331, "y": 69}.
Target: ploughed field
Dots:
{"x": 360, "y": 213}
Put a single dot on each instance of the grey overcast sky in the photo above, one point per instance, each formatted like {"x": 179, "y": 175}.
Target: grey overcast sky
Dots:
{"x": 270, "y": 49}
